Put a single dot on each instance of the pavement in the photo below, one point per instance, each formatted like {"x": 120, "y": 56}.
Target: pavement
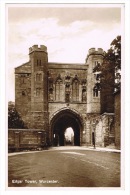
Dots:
{"x": 68, "y": 166}
{"x": 103, "y": 149}
{"x": 99, "y": 149}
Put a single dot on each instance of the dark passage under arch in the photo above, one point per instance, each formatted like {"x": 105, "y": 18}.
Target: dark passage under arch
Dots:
{"x": 60, "y": 123}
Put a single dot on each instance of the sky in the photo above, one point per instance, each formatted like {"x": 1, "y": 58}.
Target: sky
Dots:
{"x": 69, "y": 133}
{"x": 68, "y": 31}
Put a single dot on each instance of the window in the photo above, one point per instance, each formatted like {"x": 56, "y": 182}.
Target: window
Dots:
{"x": 50, "y": 94}
{"x": 39, "y": 63}
{"x": 84, "y": 95}
{"x": 38, "y": 77}
{"x": 75, "y": 90}
{"x": 95, "y": 92}
{"x": 38, "y": 91}
{"x": 98, "y": 77}
{"x": 23, "y": 79}
{"x": 58, "y": 89}
{"x": 23, "y": 93}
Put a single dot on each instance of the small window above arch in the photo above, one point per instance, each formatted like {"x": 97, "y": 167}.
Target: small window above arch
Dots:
{"x": 23, "y": 93}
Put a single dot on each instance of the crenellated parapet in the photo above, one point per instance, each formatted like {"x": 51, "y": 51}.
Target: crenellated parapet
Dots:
{"x": 94, "y": 51}
{"x": 42, "y": 48}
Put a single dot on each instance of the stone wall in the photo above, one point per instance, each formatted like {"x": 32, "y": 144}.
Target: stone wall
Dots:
{"x": 23, "y": 89}
{"x": 55, "y": 107}
{"x": 101, "y": 126}
{"x": 106, "y": 122}
{"x": 117, "y": 124}
{"x": 66, "y": 75}
{"x": 24, "y": 139}
{"x": 37, "y": 93}
{"x": 90, "y": 128}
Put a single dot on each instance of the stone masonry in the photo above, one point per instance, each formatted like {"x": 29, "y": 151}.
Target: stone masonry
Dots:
{"x": 54, "y": 96}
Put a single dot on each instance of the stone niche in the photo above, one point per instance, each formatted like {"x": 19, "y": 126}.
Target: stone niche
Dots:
{"x": 102, "y": 128}
{"x": 104, "y": 131}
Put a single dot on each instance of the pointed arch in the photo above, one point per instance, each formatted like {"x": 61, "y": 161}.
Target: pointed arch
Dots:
{"x": 63, "y": 119}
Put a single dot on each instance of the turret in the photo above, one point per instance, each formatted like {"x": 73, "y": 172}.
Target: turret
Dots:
{"x": 39, "y": 68}
{"x": 94, "y": 57}
{"x": 93, "y": 51}
{"x": 42, "y": 48}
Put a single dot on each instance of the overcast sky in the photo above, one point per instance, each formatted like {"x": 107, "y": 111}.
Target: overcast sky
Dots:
{"x": 68, "y": 32}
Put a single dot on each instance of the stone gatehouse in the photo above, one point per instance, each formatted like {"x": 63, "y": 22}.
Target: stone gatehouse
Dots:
{"x": 54, "y": 96}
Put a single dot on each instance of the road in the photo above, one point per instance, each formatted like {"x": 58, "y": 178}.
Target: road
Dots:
{"x": 64, "y": 168}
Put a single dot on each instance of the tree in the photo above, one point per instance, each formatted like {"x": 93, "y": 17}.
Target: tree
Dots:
{"x": 113, "y": 56}
{"x": 113, "y": 59}
{"x": 114, "y": 53}
{"x": 108, "y": 75}
{"x": 14, "y": 119}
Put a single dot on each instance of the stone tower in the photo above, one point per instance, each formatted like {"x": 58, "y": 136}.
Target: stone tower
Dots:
{"x": 39, "y": 99}
{"x": 94, "y": 57}
{"x": 51, "y": 97}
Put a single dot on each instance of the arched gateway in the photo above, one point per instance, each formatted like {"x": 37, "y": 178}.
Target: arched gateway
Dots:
{"x": 60, "y": 121}
{"x": 57, "y": 96}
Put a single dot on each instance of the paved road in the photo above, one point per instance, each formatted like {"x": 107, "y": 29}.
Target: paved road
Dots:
{"x": 64, "y": 168}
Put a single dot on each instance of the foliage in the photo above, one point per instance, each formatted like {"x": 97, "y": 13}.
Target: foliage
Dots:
{"x": 14, "y": 119}
{"x": 113, "y": 55}
{"x": 111, "y": 63}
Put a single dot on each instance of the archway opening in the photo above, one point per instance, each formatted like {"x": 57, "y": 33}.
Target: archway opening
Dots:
{"x": 63, "y": 121}
{"x": 69, "y": 137}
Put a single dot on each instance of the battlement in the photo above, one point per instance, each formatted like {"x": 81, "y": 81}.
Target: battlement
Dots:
{"x": 96, "y": 51}
{"x": 36, "y": 48}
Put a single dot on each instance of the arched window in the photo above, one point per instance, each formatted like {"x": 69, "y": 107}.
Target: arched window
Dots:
{"x": 96, "y": 90}
{"x": 23, "y": 79}
{"x": 84, "y": 95}
{"x": 23, "y": 93}
{"x": 38, "y": 91}
{"x": 75, "y": 90}
{"x": 39, "y": 62}
{"x": 38, "y": 77}
{"x": 58, "y": 89}
{"x": 67, "y": 93}
{"x": 50, "y": 94}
